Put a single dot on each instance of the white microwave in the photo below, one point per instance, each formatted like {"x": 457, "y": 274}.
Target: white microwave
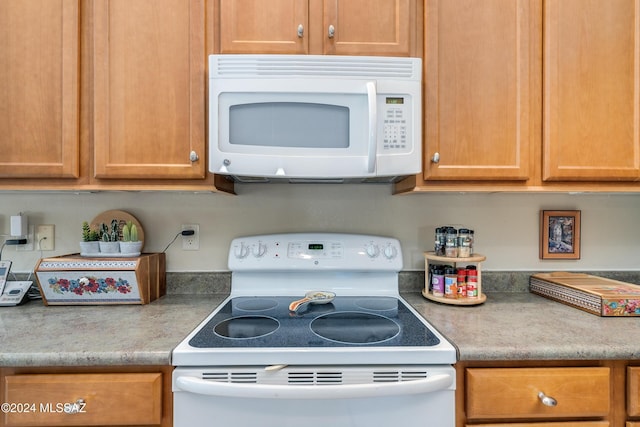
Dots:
{"x": 312, "y": 117}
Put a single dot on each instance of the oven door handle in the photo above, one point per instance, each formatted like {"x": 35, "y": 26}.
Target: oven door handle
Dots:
{"x": 372, "y": 102}
{"x": 260, "y": 391}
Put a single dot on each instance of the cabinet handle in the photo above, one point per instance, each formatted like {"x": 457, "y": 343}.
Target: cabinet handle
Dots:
{"x": 332, "y": 31}
{"x": 547, "y": 400}
{"x": 193, "y": 156}
{"x": 300, "y": 31}
{"x": 436, "y": 158}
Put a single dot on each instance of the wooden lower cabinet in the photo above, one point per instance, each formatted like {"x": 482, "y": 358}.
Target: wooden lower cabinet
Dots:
{"x": 552, "y": 424}
{"x": 520, "y": 393}
{"x": 86, "y": 397}
{"x": 633, "y": 391}
{"x": 579, "y": 393}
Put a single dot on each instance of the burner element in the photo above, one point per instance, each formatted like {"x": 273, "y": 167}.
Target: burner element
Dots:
{"x": 245, "y": 327}
{"x": 378, "y": 304}
{"x": 256, "y": 304}
{"x": 355, "y": 327}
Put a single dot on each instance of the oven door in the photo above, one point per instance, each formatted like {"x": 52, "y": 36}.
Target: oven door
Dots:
{"x": 337, "y": 396}
{"x": 293, "y": 128}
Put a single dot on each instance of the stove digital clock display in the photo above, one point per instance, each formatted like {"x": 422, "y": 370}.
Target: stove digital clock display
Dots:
{"x": 311, "y": 250}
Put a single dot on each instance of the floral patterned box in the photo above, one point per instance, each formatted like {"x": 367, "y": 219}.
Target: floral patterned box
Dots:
{"x": 597, "y": 295}
{"x": 78, "y": 280}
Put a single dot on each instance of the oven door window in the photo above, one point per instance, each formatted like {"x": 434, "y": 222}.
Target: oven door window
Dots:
{"x": 286, "y": 124}
{"x": 289, "y": 124}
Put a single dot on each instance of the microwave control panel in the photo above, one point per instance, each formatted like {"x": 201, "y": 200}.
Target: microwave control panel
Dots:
{"x": 395, "y": 112}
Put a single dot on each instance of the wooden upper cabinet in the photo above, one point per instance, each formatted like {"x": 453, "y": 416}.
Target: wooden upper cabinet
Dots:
{"x": 341, "y": 27}
{"x": 591, "y": 90}
{"x": 149, "y": 89}
{"x": 258, "y": 26}
{"x": 368, "y": 27}
{"x": 39, "y": 86}
{"x": 482, "y": 72}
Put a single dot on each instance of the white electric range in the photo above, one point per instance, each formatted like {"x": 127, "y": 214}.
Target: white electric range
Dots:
{"x": 360, "y": 357}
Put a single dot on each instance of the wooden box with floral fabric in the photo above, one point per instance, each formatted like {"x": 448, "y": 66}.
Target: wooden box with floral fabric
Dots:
{"x": 79, "y": 280}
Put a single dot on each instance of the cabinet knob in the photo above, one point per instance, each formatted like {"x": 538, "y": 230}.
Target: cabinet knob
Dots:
{"x": 436, "y": 158}
{"x": 547, "y": 400}
{"x": 300, "y": 30}
{"x": 332, "y": 31}
{"x": 193, "y": 156}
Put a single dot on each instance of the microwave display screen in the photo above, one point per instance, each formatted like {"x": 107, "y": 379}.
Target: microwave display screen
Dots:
{"x": 395, "y": 100}
{"x": 289, "y": 125}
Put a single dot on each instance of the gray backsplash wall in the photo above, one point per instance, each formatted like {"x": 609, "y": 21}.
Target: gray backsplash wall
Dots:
{"x": 506, "y": 225}
{"x": 409, "y": 281}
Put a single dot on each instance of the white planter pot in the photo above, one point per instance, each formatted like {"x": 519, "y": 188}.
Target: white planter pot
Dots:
{"x": 89, "y": 248}
{"x": 109, "y": 247}
{"x": 131, "y": 247}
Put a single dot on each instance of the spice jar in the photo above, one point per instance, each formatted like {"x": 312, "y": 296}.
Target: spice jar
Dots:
{"x": 462, "y": 283}
{"x": 451, "y": 243}
{"x": 440, "y": 241}
{"x": 464, "y": 243}
{"x": 472, "y": 281}
{"x": 437, "y": 281}
{"x": 450, "y": 282}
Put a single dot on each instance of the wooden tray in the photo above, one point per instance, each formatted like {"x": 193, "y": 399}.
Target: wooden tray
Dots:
{"x": 477, "y": 259}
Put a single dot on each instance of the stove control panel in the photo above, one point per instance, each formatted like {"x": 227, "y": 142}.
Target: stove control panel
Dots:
{"x": 301, "y": 251}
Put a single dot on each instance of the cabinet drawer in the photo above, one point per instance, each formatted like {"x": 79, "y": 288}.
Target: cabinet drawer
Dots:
{"x": 543, "y": 424}
{"x": 100, "y": 399}
{"x": 515, "y": 392}
{"x": 633, "y": 391}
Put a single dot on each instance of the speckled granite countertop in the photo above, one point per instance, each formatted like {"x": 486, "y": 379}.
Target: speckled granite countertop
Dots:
{"x": 508, "y": 326}
{"x": 524, "y": 326}
{"x": 36, "y": 335}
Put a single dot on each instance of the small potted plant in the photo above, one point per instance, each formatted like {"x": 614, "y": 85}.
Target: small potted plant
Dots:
{"x": 109, "y": 239}
{"x": 130, "y": 243}
{"x": 89, "y": 244}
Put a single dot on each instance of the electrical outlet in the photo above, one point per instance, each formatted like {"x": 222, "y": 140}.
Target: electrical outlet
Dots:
{"x": 45, "y": 239}
{"x": 191, "y": 243}
{"x": 30, "y": 237}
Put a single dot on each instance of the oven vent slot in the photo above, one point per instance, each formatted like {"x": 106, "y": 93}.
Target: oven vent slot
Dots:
{"x": 398, "y": 376}
{"x": 231, "y": 377}
{"x": 314, "y": 378}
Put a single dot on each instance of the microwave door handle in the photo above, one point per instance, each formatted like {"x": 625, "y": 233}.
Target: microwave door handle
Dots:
{"x": 196, "y": 385}
{"x": 373, "y": 122}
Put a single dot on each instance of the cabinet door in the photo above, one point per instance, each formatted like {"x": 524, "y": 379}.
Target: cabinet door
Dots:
{"x": 84, "y": 399}
{"x": 633, "y": 391}
{"x": 591, "y": 90}
{"x": 368, "y": 27}
{"x": 548, "y": 424}
{"x": 489, "y": 389}
{"x": 39, "y": 87}
{"x": 149, "y": 89}
{"x": 258, "y": 26}
{"x": 482, "y": 73}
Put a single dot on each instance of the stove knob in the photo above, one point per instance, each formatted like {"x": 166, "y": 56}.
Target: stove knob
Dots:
{"x": 259, "y": 250}
{"x": 372, "y": 250}
{"x": 390, "y": 252}
{"x": 241, "y": 251}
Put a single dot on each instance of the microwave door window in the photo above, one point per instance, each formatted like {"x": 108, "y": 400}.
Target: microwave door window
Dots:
{"x": 289, "y": 125}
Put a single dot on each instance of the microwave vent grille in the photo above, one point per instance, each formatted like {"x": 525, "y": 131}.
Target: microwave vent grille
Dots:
{"x": 313, "y": 66}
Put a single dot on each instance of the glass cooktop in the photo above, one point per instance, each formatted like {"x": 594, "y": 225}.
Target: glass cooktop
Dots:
{"x": 347, "y": 321}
